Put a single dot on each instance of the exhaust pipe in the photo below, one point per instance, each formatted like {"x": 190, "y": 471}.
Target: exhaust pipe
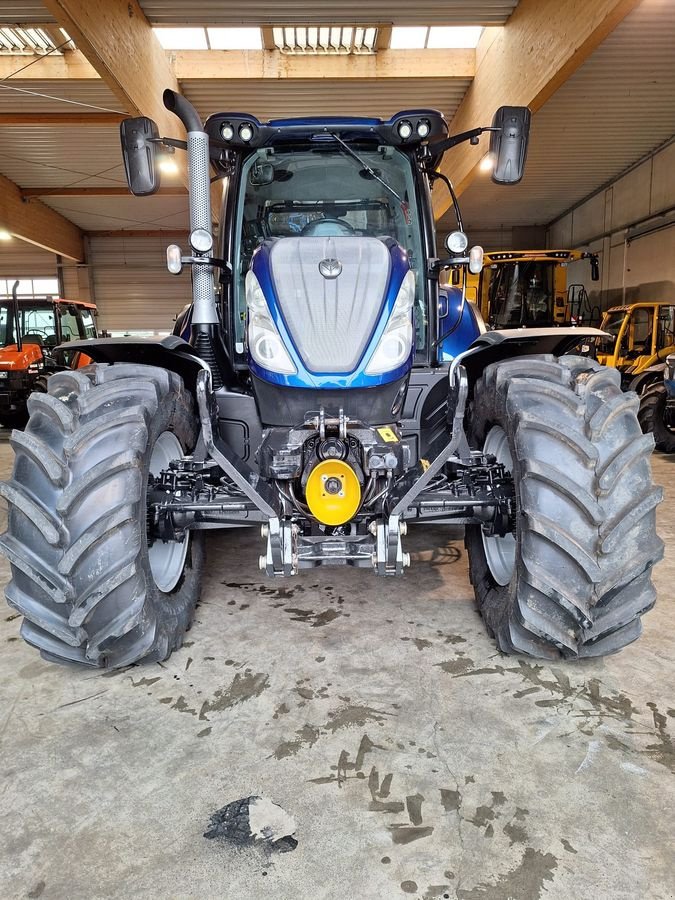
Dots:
{"x": 204, "y": 310}
{"x": 206, "y": 336}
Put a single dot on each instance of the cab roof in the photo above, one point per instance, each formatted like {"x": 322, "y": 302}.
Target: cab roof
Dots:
{"x": 642, "y": 304}
{"x": 225, "y": 129}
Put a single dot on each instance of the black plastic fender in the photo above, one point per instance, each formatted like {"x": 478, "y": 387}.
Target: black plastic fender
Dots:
{"x": 496, "y": 346}
{"x": 172, "y": 353}
{"x": 647, "y": 377}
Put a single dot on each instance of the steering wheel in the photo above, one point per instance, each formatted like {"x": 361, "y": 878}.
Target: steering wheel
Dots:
{"x": 327, "y": 227}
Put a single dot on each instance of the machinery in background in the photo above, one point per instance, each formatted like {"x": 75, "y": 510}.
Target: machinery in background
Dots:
{"x": 528, "y": 289}
{"x": 638, "y": 339}
{"x": 657, "y": 407}
{"x": 31, "y": 330}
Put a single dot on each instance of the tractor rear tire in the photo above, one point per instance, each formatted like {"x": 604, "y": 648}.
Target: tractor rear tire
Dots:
{"x": 575, "y": 578}
{"x": 652, "y": 417}
{"x": 83, "y": 576}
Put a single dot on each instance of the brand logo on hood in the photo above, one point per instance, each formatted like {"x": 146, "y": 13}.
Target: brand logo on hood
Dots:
{"x": 330, "y": 268}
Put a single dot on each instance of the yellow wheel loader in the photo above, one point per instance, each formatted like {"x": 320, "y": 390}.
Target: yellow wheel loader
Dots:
{"x": 639, "y": 338}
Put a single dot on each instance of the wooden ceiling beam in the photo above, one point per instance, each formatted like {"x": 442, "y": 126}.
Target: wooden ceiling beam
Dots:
{"x": 177, "y": 233}
{"x": 241, "y": 65}
{"x": 56, "y": 66}
{"x": 122, "y": 191}
{"x": 87, "y": 119}
{"x": 116, "y": 39}
{"x": 247, "y": 64}
{"x": 522, "y": 64}
{"x": 38, "y": 224}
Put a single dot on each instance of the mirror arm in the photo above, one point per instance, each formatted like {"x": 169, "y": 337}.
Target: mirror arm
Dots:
{"x": 169, "y": 142}
{"x": 441, "y": 146}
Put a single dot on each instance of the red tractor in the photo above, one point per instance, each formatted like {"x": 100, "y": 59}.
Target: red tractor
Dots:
{"x": 28, "y": 354}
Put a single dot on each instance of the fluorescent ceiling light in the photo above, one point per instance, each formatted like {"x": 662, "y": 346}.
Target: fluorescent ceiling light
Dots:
{"x": 5, "y": 235}
{"x": 182, "y": 38}
{"x": 454, "y": 37}
{"x": 410, "y": 38}
{"x": 235, "y": 38}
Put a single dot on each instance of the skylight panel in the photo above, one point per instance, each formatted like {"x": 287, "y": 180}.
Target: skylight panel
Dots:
{"x": 409, "y": 38}
{"x": 235, "y": 38}
{"x": 182, "y": 38}
{"x": 454, "y": 37}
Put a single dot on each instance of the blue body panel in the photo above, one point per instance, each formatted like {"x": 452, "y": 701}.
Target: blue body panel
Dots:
{"x": 459, "y": 337}
{"x": 261, "y": 268}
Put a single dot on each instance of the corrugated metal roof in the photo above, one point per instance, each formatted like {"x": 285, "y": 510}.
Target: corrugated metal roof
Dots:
{"x": 616, "y": 108}
{"x": 123, "y": 213}
{"x": 345, "y": 12}
{"x": 68, "y": 93}
{"x": 61, "y": 155}
{"x": 24, "y": 12}
{"x": 268, "y": 98}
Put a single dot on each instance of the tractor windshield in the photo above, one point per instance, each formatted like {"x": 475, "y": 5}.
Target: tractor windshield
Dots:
{"x": 36, "y": 321}
{"x": 611, "y": 323}
{"x": 323, "y": 191}
{"x": 521, "y": 293}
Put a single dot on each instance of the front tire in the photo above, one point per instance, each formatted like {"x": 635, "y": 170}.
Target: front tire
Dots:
{"x": 652, "y": 419}
{"x": 585, "y": 539}
{"x": 89, "y": 586}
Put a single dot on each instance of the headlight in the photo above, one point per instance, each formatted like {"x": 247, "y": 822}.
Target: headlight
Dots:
{"x": 246, "y": 132}
{"x": 404, "y": 129}
{"x": 395, "y": 345}
{"x": 264, "y": 341}
{"x": 423, "y": 128}
{"x": 670, "y": 367}
{"x": 456, "y": 243}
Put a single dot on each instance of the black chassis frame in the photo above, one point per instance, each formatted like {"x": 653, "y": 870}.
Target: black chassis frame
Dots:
{"x": 218, "y": 487}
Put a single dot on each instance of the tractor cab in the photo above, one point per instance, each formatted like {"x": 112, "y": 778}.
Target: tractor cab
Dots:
{"x": 349, "y": 192}
{"x": 31, "y": 332}
{"x": 637, "y": 336}
{"x": 529, "y": 289}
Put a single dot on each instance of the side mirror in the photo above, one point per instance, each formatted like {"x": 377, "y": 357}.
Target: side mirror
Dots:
{"x": 139, "y": 149}
{"x": 261, "y": 173}
{"x": 508, "y": 146}
{"x": 595, "y": 269}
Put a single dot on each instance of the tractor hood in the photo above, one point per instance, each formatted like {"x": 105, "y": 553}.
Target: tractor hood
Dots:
{"x": 13, "y": 359}
{"x": 332, "y": 302}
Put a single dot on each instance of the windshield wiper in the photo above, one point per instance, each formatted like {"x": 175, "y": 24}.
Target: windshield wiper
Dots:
{"x": 368, "y": 168}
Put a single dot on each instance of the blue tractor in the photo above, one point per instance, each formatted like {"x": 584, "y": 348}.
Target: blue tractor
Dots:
{"x": 326, "y": 388}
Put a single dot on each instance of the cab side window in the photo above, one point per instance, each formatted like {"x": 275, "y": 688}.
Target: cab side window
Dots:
{"x": 638, "y": 338}
{"x": 69, "y": 327}
{"x": 88, "y": 323}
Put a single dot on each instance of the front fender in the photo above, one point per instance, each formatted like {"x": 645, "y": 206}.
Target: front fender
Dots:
{"x": 496, "y": 346}
{"x": 171, "y": 353}
{"x": 647, "y": 377}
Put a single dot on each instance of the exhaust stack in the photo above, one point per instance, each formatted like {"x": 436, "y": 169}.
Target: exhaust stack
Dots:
{"x": 206, "y": 335}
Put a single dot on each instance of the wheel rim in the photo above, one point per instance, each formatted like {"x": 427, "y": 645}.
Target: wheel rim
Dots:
{"x": 500, "y": 552}
{"x": 167, "y": 560}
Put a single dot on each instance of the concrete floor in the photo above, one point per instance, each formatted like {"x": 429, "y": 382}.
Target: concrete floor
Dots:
{"x": 416, "y": 760}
